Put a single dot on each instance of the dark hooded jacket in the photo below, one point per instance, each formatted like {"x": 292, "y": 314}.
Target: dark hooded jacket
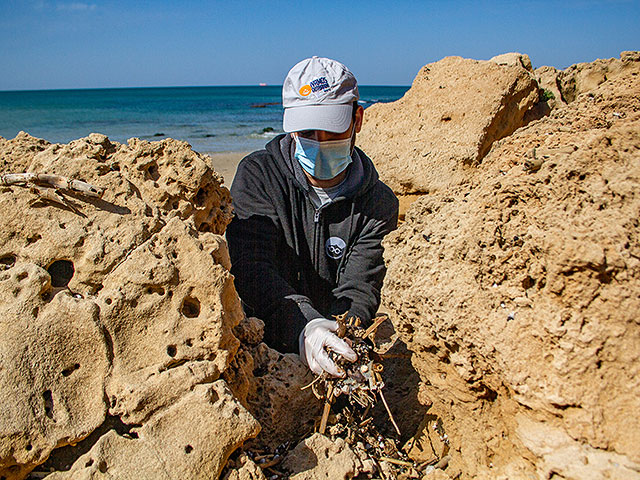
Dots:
{"x": 293, "y": 262}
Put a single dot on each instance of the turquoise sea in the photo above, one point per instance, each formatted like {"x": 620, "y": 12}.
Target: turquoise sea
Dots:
{"x": 211, "y": 119}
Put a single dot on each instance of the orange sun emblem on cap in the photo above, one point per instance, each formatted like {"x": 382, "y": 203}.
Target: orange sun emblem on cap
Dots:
{"x": 305, "y": 90}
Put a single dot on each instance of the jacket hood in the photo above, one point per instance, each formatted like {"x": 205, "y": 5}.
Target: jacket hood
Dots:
{"x": 361, "y": 177}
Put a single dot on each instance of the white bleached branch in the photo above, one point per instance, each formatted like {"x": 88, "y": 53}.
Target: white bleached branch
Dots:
{"x": 55, "y": 181}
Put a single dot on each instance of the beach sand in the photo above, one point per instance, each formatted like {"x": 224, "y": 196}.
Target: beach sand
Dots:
{"x": 226, "y": 164}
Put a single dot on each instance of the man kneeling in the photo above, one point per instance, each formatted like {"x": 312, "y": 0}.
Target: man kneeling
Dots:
{"x": 311, "y": 213}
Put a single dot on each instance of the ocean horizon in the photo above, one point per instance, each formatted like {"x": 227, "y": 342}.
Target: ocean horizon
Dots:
{"x": 210, "y": 119}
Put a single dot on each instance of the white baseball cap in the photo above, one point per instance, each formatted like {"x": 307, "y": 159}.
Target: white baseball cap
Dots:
{"x": 318, "y": 94}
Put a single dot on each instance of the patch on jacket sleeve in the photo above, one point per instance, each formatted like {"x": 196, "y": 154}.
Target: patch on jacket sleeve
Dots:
{"x": 334, "y": 247}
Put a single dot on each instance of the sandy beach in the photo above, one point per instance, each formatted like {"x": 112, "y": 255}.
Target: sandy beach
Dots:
{"x": 226, "y": 164}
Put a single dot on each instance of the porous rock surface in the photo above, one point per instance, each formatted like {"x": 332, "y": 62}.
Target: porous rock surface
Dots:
{"x": 518, "y": 292}
{"x": 437, "y": 134}
{"x": 120, "y": 306}
{"x": 271, "y": 385}
{"x": 211, "y": 421}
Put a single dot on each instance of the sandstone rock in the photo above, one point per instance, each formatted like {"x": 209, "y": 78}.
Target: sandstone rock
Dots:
{"x": 562, "y": 455}
{"x": 122, "y": 304}
{"x": 446, "y": 123}
{"x": 250, "y": 331}
{"x": 630, "y": 56}
{"x": 248, "y": 470}
{"x": 513, "y": 59}
{"x": 269, "y": 384}
{"x": 53, "y": 363}
{"x": 147, "y": 184}
{"x": 532, "y": 387}
{"x": 428, "y": 443}
{"x": 583, "y": 78}
{"x": 163, "y": 448}
{"x": 186, "y": 307}
{"x": 437, "y": 474}
{"x": 549, "y": 80}
{"x": 16, "y": 154}
{"x": 284, "y": 411}
{"x": 319, "y": 457}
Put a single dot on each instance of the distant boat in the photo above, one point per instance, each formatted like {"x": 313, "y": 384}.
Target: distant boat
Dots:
{"x": 262, "y": 84}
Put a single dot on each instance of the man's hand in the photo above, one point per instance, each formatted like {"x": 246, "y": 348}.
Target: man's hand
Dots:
{"x": 317, "y": 335}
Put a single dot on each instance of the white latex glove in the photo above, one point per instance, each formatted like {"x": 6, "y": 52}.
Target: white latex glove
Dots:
{"x": 319, "y": 334}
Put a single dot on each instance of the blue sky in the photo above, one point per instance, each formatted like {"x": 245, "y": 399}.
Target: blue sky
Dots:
{"x": 89, "y": 44}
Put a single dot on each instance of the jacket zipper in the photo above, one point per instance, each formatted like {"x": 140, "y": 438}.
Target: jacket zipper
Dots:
{"x": 316, "y": 226}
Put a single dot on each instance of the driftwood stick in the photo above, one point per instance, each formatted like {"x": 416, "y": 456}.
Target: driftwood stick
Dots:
{"x": 395, "y": 461}
{"x": 74, "y": 185}
{"x": 55, "y": 196}
{"x": 384, "y": 400}
{"x": 444, "y": 461}
{"x": 432, "y": 461}
{"x": 326, "y": 410}
{"x": 374, "y": 326}
{"x": 315, "y": 380}
{"x": 50, "y": 194}
{"x": 55, "y": 181}
{"x": 278, "y": 473}
{"x": 367, "y": 421}
{"x": 7, "y": 179}
{"x": 270, "y": 463}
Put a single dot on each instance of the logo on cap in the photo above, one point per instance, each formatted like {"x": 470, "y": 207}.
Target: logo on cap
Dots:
{"x": 305, "y": 90}
{"x": 319, "y": 84}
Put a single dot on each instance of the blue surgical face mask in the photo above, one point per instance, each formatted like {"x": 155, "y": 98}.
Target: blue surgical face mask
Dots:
{"x": 323, "y": 160}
